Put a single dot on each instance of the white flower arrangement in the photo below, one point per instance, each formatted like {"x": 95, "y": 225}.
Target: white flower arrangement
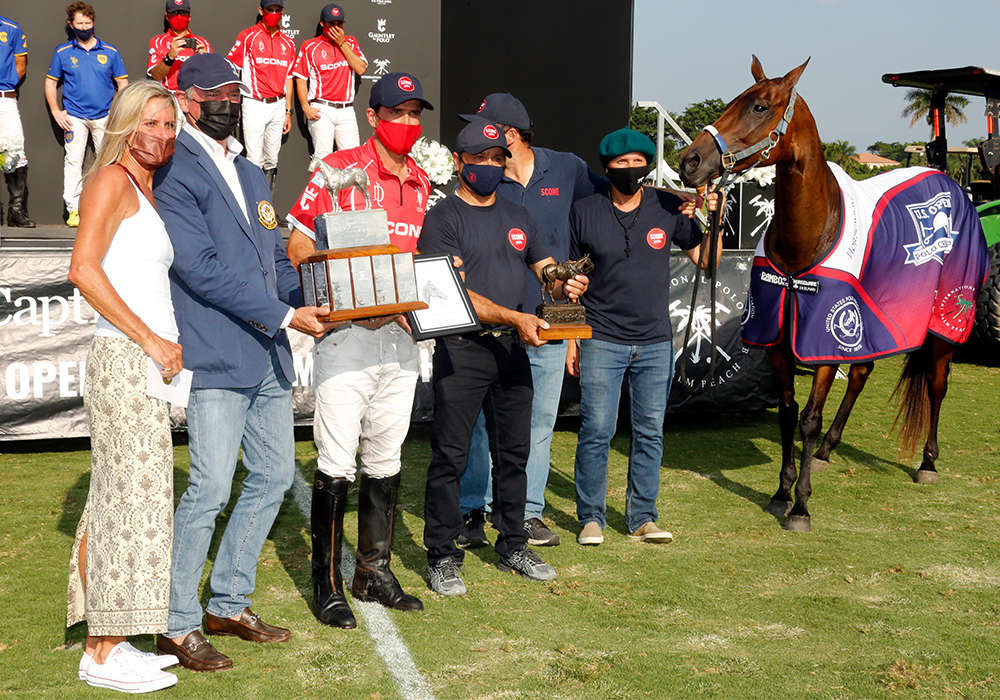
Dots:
{"x": 435, "y": 159}
{"x": 8, "y": 148}
{"x": 762, "y": 176}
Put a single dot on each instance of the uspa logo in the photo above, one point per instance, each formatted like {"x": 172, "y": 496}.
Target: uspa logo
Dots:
{"x": 405, "y": 83}
{"x": 517, "y": 239}
{"x": 380, "y": 35}
{"x": 656, "y": 238}
{"x": 935, "y": 237}
{"x": 844, "y": 323}
{"x": 491, "y": 132}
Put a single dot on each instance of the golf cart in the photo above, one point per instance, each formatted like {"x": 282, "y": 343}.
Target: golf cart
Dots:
{"x": 985, "y": 194}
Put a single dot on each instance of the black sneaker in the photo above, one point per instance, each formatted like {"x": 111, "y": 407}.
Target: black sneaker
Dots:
{"x": 473, "y": 533}
{"x": 539, "y": 534}
{"x": 527, "y": 563}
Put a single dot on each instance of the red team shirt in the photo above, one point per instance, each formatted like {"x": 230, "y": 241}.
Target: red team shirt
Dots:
{"x": 404, "y": 203}
{"x": 159, "y": 47}
{"x": 324, "y": 66}
{"x": 266, "y": 61}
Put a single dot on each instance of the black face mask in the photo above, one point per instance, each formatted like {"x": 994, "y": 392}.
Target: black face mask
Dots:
{"x": 627, "y": 180}
{"x": 83, "y": 34}
{"x": 219, "y": 118}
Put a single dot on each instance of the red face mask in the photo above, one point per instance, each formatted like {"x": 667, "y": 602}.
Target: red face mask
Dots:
{"x": 271, "y": 19}
{"x": 398, "y": 138}
{"x": 178, "y": 22}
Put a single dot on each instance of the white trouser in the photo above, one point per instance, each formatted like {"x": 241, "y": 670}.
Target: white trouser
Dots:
{"x": 11, "y": 131}
{"x": 334, "y": 123}
{"x": 262, "y": 126}
{"x": 76, "y": 149}
{"x": 364, "y": 383}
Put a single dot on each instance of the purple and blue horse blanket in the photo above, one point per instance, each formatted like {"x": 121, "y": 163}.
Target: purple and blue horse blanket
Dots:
{"x": 910, "y": 260}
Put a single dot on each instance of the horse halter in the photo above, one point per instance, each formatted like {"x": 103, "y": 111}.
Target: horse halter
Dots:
{"x": 764, "y": 146}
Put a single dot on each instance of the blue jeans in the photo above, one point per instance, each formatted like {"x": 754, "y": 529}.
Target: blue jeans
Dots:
{"x": 603, "y": 367}
{"x": 547, "y": 366}
{"x": 220, "y": 421}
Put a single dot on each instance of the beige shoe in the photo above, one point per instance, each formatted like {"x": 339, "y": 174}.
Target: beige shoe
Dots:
{"x": 648, "y": 532}
{"x": 591, "y": 534}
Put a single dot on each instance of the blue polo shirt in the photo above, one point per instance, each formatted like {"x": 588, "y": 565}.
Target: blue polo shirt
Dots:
{"x": 629, "y": 291}
{"x": 88, "y": 77}
{"x": 13, "y": 43}
{"x": 558, "y": 180}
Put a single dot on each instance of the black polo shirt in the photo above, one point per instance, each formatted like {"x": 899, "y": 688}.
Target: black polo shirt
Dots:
{"x": 629, "y": 293}
{"x": 497, "y": 244}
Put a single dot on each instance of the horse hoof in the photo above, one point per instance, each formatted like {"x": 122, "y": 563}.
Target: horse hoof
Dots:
{"x": 818, "y": 465}
{"x": 778, "y": 508}
{"x": 797, "y": 523}
{"x": 926, "y": 476}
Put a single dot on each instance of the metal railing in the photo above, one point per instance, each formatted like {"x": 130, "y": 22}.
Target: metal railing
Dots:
{"x": 663, "y": 118}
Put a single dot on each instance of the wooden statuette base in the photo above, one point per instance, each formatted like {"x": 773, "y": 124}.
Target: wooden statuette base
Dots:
{"x": 566, "y": 331}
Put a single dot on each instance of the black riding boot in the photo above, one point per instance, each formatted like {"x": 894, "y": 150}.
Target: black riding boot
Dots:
{"x": 269, "y": 175}
{"x": 373, "y": 581}
{"x": 329, "y": 500}
{"x": 17, "y": 189}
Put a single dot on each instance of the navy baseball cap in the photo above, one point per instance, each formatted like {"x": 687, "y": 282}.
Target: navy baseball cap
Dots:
{"x": 268, "y": 3}
{"x": 478, "y": 135}
{"x": 502, "y": 108}
{"x": 178, "y": 6}
{"x": 396, "y": 88}
{"x": 332, "y": 13}
{"x": 209, "y": 71}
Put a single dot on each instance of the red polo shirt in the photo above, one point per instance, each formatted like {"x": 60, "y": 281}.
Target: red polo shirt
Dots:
{"x": 329, "y": 74}
{"x": 265, "y": 60}
{"x": 159, "y": 47}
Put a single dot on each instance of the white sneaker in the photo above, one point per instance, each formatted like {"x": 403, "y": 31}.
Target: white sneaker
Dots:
{"x": 128, "y": 673}
{"x": 157, "y": 660}
{"x": 85, "y": 662}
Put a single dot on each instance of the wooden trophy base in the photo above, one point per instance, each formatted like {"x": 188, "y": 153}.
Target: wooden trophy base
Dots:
{"x": 566, "y": 331}
{"x": 372, "y": 311}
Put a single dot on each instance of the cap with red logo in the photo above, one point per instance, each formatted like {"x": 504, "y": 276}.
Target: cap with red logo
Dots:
{"x": 478, "y": 135}
{"x": 396, "y": 88}
{"x": 178, "y": 6}
{"x": 502, "y": 108}
{"x": 331, "y": 13}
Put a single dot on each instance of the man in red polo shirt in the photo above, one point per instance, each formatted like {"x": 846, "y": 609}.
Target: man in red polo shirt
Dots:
{"x": 169, "y": 50}
{"x": 365, "y": 373}
{"x": 325, "y": 74}
{"x": 265, "y": 56}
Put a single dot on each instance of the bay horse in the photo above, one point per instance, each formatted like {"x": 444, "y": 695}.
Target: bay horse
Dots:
{"x": 768, "y": 124}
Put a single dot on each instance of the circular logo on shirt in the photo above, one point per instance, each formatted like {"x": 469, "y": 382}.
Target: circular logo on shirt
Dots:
{"x": 481, "y": 107}
{"x": 656, "y": 238}
{"x": 265, "y": 214}
{"x": 517, "y": 239}
{"x": 491, "y": 132}
{"x": 405, "y": 84}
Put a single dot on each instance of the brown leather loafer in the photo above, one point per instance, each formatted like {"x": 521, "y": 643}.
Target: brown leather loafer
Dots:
{"x": 249, "y": 627}
{"x": 195, "y": 652}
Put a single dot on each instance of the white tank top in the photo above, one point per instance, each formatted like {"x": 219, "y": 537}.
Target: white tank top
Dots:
{"x": 137, "y": 262}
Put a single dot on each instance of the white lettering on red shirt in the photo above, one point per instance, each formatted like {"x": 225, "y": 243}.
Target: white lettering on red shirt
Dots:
{"x": 329, "y": 74}
{"x": 266, "y": 60}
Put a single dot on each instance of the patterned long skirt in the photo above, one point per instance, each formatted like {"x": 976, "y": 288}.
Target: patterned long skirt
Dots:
{"x": 128, "y": 518}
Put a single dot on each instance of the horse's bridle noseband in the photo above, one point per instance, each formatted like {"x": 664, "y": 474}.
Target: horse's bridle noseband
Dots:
{"x": 764, "y": 146}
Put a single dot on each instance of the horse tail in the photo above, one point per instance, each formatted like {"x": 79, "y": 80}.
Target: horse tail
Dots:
{"x": 912, "y": 393}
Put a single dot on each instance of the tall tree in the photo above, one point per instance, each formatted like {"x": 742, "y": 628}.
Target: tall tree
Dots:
{"x": 839, "y": 152}
{"x": 918, "y": 107}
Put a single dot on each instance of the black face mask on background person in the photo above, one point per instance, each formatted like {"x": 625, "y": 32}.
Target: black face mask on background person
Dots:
{"x": 83, "y": 34}
{"x": 627, "y": 180}
{"x": 219, "y": 118}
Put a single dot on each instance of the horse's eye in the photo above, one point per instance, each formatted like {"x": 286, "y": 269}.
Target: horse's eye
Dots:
{"x": 760, "y": 108}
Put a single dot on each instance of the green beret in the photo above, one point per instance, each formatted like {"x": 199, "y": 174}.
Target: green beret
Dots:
{"x": 626, "y": 141}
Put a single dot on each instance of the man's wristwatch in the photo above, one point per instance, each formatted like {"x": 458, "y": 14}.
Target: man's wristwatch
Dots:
{"x": 167, "y": 61}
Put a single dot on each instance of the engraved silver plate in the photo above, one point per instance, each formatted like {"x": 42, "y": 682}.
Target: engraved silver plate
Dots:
{"x": 340, "y": 284}
{"x": 348, "y": 229}
{"x": 322, "y": 291}
{"x": 308, "y": 290}
{"x": 385, "y": 282}
{"x": 406, "y": 278}
{"x": 364, "y": 287}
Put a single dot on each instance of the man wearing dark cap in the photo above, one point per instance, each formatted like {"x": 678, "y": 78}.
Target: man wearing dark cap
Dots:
{"x": 494, "y": 241}
{"x": 265, "y": 56}
{"x": 234, "y": 294}
{"x": 364, "y": 374}
{"x": 325, "y": 74}
{"x": 627, "y": 233}
{"x": 168, "y": 51}
{"x": 546, "y": 183}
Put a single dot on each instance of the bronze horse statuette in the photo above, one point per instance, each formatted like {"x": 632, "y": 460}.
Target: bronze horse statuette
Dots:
{"x": 769, "y": 125}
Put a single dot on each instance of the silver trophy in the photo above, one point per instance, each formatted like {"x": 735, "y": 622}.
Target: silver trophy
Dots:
{"x": 348, "y": 229}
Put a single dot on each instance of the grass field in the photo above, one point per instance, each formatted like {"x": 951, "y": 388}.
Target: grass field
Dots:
{"x": 893, "y": 594}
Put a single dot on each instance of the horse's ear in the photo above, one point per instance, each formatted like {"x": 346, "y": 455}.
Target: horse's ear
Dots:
{"x": 757, "y": 70}
{"x": 792, "y": 77}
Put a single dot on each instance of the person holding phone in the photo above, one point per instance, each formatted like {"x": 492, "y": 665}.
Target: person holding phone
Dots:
{"x": 168, "y": 51}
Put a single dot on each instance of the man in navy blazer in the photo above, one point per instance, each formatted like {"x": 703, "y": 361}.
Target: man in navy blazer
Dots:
{"x": 234, "y": 293}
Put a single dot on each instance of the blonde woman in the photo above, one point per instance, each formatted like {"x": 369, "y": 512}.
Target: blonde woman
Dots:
{"x": 120, "y": 566}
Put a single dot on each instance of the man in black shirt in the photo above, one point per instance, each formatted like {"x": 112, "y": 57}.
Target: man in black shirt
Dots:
{"x": 627, "y": 234}
{"x": 494, "y": 241}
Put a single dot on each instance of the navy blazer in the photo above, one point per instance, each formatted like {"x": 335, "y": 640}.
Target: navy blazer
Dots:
{"x": 231, "y": 281}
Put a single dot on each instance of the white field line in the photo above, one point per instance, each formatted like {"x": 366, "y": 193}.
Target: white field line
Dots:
{"x": 388, "y": 642}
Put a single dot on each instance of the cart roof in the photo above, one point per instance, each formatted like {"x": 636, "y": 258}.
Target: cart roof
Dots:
{"x": 970, "y": 80}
